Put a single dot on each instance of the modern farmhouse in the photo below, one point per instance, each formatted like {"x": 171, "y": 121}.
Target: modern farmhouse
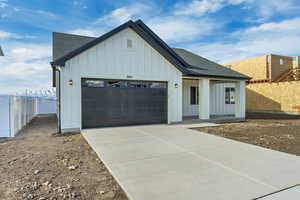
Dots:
{"x": 129, "y": 76}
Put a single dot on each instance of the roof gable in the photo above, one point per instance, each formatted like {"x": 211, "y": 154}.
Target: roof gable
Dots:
{"x": 142, "y": 32}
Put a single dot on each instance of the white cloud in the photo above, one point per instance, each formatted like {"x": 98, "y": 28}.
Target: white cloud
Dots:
{"x": 4, "y": 34}
{"x": 291, "y": 25}
{"x": 180, "y": 29}
{"x": 3, "y": 4}
{"x": 202, "y": 7}
{"x": 25, "y": 66}
{"x": 8, "y": 35}
{"x": 264, "y": 9}
{"x": 198, "y": 8}
{"x": 278, "y": 38}
{"x": 86, "y": 32}
{"x": 123, "y": 14}
{"x": 171, "y": 28}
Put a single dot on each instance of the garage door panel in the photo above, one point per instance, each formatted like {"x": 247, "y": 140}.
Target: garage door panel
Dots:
{"x": 118, "y": 103}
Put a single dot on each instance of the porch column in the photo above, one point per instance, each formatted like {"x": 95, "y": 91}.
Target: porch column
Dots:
{"x": 240, "y": 99}
{"x": 204, "y": 99}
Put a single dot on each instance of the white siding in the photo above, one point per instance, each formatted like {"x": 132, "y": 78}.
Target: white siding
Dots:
{"x": 188, "y": 109}
{"x": 112, "y": 59}
{"x": 217, "y": 99}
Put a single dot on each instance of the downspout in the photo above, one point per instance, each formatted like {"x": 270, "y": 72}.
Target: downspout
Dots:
{"x": 59, "y": 103}
{"x": 57, "y": 69}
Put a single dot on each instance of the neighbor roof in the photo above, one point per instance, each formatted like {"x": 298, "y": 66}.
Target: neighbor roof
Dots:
{"x": 188, "y": 63}
{"x": 1, "y": 52}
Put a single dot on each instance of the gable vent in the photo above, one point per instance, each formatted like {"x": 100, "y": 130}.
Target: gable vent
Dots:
{"x": 129, "y": 43}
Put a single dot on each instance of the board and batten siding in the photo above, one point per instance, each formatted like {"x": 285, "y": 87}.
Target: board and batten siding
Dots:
{"x": 111, "y": 59}
{"x": 217, "y": 99}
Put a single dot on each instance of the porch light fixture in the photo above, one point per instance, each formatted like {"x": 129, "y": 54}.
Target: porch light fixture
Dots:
{"x": 71, "y": 82}
{"x": 176, "y": 85}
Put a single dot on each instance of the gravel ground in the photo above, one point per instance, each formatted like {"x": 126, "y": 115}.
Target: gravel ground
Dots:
{"x": 274, "y": 131}
{"x": 39, "y": 165}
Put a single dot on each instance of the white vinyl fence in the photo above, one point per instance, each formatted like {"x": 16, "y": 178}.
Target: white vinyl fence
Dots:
{"x": 17, "y": 111}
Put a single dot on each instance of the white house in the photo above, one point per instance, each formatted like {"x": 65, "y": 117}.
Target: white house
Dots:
{"x": 129, "y": 76}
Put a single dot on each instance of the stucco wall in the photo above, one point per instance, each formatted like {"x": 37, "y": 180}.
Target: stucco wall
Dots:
{"x": 253, "y": 67}
{"x": 282, "y": 96}
{"x": 111, "y": 59}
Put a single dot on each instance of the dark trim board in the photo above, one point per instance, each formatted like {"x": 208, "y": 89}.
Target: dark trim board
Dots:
{"x": 122, "y": 79}
{"x": 59, "y": 101}
{"x": 110, "y": 117}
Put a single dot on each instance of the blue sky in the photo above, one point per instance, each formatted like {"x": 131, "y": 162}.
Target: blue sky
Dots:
{"x": 220, "y": 30}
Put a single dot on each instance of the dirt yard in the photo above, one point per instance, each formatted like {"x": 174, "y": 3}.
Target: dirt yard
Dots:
{"x": 273, "y": 131}
{"x": 38, "y": 165}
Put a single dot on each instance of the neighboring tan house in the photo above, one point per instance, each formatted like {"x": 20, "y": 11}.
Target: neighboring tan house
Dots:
{"x": 129, "y": 76}
{"x": 275, "y": 83}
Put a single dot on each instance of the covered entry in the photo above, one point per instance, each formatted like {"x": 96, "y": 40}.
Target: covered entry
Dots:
{"x": 207, "y": 99}
{"x": 107, "y": 103}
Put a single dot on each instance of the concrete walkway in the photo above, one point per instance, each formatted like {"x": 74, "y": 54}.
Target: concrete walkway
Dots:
{"x": 163, "y": 162}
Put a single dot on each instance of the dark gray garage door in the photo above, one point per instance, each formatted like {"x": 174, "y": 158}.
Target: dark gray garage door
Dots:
{"x": 117, "y": 102}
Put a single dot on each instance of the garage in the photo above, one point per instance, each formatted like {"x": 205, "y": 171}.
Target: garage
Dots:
{"x": 108, "y": 103}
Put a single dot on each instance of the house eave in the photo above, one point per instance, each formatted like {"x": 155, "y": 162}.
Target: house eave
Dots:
{"x": 216, "y": 77}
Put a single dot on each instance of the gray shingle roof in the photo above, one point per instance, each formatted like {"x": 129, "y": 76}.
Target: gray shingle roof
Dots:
{"x": 1, "y": 52}
{"x": 64, "y": 43}
{"x": 202, "y": 66}
{"x": 65, "y": 46}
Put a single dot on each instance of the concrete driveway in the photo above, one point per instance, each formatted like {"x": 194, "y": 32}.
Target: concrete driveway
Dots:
{"x": 170, "y": 162}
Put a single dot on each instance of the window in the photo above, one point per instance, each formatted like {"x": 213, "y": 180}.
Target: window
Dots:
{"x": 158, "y": 85}
{"x": 194, "y": 96}
{"x": 93, "y": 83}
{"x": 138, "y": 84}
{"x": 129, "y": 43}
{"x": 229, "y": 95}
{"x": 114, "y": 83}
{"x": 281, "y": 61}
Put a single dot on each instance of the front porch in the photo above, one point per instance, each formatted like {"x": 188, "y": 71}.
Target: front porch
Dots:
{"x": 213, "y": 100}
{"x": 213, "y": 119}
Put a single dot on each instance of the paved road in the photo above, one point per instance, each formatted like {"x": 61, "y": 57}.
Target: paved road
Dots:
{"x": 167, "y": 162}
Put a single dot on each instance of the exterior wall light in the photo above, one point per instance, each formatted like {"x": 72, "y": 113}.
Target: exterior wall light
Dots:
{"x": 176, "y": 85}
{"x": 71, "y": 82}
